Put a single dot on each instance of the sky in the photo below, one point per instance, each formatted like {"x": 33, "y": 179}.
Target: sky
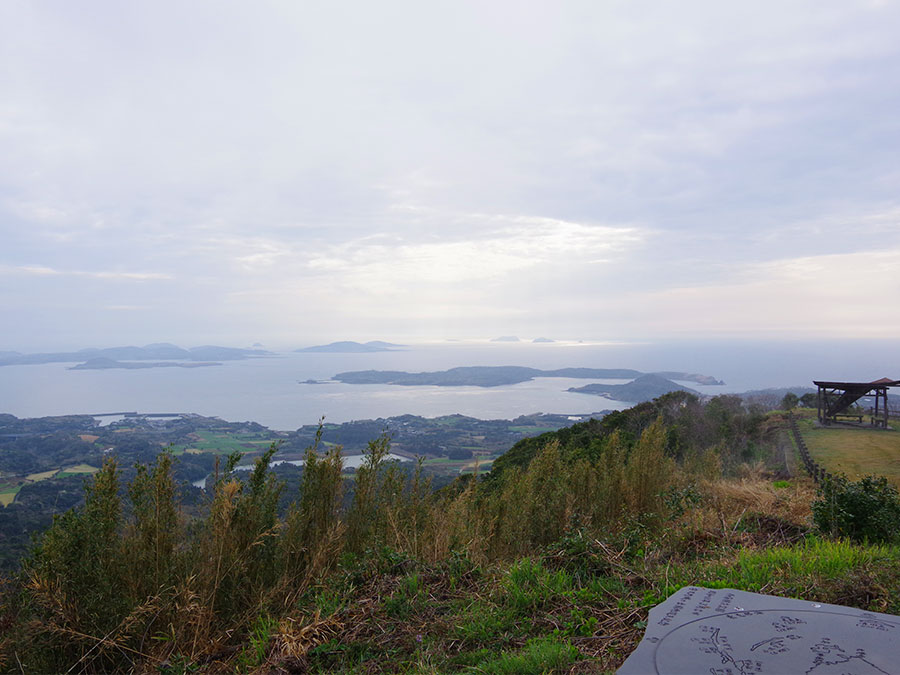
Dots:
{"x": 291, "y": 173}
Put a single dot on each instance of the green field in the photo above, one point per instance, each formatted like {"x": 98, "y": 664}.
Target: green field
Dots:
{"x": 455, "y": 466}
{"x": 77, "y": 470}
{"x": 214, "y": 441}
{"x": 855, "y": 452}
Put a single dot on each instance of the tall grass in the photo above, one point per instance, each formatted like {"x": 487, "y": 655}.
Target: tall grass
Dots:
{"x": 128, "y": 580}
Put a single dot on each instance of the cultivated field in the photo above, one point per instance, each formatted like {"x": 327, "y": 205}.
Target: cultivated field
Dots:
{"x": 8, "y": 494}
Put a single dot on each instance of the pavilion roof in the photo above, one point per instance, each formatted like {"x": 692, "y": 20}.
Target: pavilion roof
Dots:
{"x": 883, "y": 382}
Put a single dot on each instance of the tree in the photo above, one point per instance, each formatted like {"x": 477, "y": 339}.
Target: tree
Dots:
{"x": 790, "y": 401}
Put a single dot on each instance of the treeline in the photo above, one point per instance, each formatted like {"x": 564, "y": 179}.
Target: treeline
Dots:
{"x": 724, "y": 425}
{"x": 130, "y": 582}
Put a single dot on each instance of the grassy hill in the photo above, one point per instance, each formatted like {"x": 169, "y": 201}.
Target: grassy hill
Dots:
{"x": 548, "y": 564}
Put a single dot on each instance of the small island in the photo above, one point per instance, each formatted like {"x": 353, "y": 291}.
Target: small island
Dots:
{"x": 351, "y": 347}
{"x": 496, "y": 376}
{"x": 160, "y": 351}
{"x": 644, "y": 388}
{"x": 103, "y": 363}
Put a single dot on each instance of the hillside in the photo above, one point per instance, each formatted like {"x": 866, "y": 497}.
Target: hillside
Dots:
{"x": 548, "y": 564}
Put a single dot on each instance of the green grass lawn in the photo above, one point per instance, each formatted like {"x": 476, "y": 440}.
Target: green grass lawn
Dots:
{"x": 855, "y": 452}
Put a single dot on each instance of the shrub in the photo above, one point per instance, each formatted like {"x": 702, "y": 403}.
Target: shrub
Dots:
{"x": 865, "y": 510}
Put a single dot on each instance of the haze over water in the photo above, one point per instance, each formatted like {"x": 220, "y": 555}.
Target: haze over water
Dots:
{"x": 271, "y": 390}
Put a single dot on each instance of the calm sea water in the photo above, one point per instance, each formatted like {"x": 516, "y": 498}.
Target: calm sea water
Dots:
{"x": 269, "y": 390}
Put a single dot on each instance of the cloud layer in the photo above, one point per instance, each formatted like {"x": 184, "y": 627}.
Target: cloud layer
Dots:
{"x": 306, "y": 171}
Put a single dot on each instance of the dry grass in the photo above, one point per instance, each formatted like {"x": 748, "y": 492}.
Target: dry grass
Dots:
{"x": 80, "y": 468}
{"x": 736, "y": 496}
{"x": 8, "y": 495}
{"x": 43, "y": 475}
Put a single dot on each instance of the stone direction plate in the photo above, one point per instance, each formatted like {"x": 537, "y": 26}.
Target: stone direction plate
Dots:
{"x": 728, "y": 632}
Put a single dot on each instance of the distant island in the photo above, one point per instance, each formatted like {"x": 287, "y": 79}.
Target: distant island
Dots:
{"x": 495, "y": 376}
{"x": 350, "y": 347}
{"x": 506, "y": 338}
{"x": 161, "y": 351}
{"x": 538, "y": 340}
{"x": 103, "y": 363}
{"x": 643, "y": 388}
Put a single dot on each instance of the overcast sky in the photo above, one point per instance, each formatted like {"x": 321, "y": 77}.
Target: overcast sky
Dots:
{"x": 296, "y": 172}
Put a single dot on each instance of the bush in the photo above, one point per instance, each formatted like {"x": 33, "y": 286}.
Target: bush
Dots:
{"x": 865, "y": 510}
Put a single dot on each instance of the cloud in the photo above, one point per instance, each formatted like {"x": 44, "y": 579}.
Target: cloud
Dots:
{"x": 404, "y": 163}
{"x": 44, "y": 271}
{"x": 844, "y": 295}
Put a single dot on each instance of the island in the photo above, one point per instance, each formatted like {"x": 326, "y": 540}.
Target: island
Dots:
{"x": 643, "y": 388}
{"x": 103, "y": 363}
{"x": 496, "y": 376}
{"x": 160, "y": 351}
{"x": 351, "y": 347}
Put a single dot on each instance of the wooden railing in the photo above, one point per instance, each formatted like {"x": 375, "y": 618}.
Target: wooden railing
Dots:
{"x": 816, "y": 470}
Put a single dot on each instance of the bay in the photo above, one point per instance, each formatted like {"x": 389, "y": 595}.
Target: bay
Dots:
{"x": 271, "y": 390}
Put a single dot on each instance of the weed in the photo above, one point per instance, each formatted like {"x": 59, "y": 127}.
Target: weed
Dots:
{"x": 540, "y": 655}
{"x": 530, "y": 586}
{"x": 403, "y": 602}
{"x": 254, "y": 655}
{"x": 485, "y": 624}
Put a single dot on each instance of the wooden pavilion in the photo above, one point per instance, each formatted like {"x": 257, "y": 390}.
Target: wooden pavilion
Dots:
{"x": 835, "y": 398}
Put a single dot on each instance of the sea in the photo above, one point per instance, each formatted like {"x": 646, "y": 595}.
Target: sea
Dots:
{"x": 274, "y": 390}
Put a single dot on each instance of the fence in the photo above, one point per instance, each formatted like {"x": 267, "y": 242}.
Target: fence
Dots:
{"x": 814, "y": 469}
